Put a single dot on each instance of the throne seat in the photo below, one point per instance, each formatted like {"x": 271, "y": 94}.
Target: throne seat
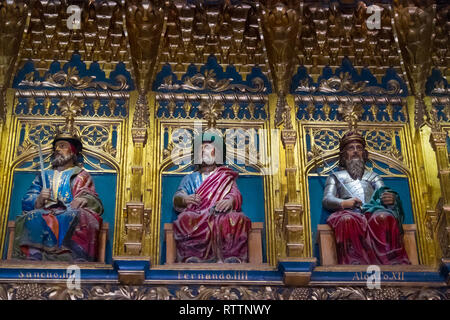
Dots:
{"x": 328, "y": 252}
{"x": 102, "y": 238}
{"x": 254, "y": 243}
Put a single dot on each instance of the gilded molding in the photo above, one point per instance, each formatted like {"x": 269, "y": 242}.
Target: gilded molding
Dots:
{"x": 440, "y": 50}
{"x": 70, "y": 108}
{"x": 351, "y": 99}
{"x": 20, "y": 93}
{"x": 215, "y": 97}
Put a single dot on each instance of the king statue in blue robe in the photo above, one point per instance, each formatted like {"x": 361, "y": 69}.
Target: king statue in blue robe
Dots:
{"x": 61, "y": 219}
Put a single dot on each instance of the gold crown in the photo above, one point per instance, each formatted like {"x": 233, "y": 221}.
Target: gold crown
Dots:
{"x": 351, "y": 136}
{"x": 68, "y": 135}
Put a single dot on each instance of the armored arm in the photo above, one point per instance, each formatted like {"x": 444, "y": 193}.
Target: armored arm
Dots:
{"x": 375, "y": 181}
{"x": 330, "y": 200}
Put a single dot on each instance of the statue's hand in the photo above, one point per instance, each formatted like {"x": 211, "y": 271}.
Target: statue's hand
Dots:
{"x": 351, "y": 203}
{"x": 43, "y": 196}
{"x": 388, "y": 199}
{"x": 224, "y": 205}
{"x": 78, "y": 203}
{"x": 192, "y": 199}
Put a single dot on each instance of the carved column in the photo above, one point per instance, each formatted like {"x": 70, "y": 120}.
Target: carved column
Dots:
{"x": 414, "y": 27}
{"x": 293, "y": 210}
{"x": 438, "y": 140}
{"x": 13, "y": 15}
{"x": 281, "y": 26}
{"x": 135, "y": 209}
{"x": 144, "y": 21}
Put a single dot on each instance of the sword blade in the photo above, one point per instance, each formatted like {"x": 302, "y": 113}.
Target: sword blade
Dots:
{"x": 41, "y": 162}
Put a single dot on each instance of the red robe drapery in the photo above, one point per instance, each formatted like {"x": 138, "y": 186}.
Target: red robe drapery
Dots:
{"x": 206, "y": 236}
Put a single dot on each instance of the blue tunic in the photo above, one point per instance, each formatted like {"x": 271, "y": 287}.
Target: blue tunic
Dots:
{"x": 32, "y": 229}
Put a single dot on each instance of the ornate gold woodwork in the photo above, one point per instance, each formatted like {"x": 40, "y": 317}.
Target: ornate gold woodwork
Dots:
{"x": 278, "y": 37}
{"x": 211, "y": 111}
{"x": 58, "y": 291}
{"x": 331, "y": 32}
{"x": 195, "y": 30}
{"x": 438, "y": 140}
{"x": 145, "y": 21}
{"x": 71, "y": 79}
{"x": 101, "y": 37}
{"x": 415, "y": 29}
{"x": 13, "y": 16}
{"x": 441, "y": 43}
{"x": 281, "y": 26}
{"x": 351, "y": 113}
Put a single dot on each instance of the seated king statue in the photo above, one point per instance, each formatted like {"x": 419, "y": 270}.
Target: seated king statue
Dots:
{"x": 210, "y": 226}
{"x": 62, "y": 216}
{"x": 367, "y": 216}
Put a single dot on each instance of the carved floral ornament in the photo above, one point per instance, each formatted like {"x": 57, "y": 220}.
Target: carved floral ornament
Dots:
{"x": 209, "y": 82}
{"x": 71, "y": 79}
{"x": 211, "y": 111}
{"x": 34, "y": 291}
{"x": 344, "y": 83}
{"x": 351, "y": 113}
{"x": 70, "y": 108}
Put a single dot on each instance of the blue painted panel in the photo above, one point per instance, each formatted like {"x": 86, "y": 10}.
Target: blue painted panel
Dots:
{"x": 436, "y": 81}
{"x": 251, "y": 188}
{"x": 105, "y": 185}
{"x": 223, "y": 276}
{"x": 320, "y": 215}
{"x": 385, "y": 276}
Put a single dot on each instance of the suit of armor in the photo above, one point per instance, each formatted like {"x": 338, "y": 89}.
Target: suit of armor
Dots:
{"x": 362, "y": 236}
{"x": 335, "y": 191}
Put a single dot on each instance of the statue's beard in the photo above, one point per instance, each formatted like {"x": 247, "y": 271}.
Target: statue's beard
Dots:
{"x": 60, "y": 160}
{"x": 355, "y": 168}
{"x": 208, "y": 159}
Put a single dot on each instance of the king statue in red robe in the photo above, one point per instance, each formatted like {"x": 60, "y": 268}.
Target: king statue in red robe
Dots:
{"x": 367, "y": 216}
{"x": 210, "y": 226}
